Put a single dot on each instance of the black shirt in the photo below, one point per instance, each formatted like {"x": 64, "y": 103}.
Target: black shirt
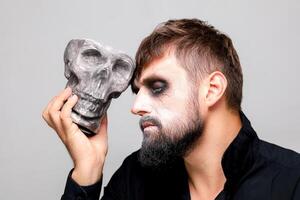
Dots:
{"x": 254, "y": 170}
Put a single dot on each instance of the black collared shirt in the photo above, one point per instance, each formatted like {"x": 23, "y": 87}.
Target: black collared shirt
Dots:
{"x": 254, "y": 170}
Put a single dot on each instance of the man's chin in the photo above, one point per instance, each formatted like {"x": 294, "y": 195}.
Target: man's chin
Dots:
{"x": 156, "y": 158}
{"x": 150, "y": 134}
{"x": 159, "y": 152}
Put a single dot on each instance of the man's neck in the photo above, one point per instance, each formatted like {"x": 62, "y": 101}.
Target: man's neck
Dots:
{"x": 203, "y": 163}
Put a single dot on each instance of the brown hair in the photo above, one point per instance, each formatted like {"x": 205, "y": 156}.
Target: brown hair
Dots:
{"x": 200, "y": 49}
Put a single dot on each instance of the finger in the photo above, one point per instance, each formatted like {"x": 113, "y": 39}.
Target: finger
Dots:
{"x": 66, "y": 110}
{"x": 59, "y": 101}
{"x": 46, "y": 114}
{"x": 57, "y": 96}
{"x": 52, "y": 111}
{"x": 46, "y": 110}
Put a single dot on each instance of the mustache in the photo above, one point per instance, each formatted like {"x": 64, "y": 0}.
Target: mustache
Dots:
{"x": 153, "y": 120}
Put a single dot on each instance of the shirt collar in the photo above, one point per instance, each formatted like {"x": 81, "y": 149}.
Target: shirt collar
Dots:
{"x": 239, "y": 156}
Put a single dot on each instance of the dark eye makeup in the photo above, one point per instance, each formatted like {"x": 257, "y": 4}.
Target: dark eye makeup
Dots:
{"x": 157, "y": 87}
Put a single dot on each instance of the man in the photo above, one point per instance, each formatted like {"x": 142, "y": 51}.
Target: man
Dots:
{"x": 197, "y": 143}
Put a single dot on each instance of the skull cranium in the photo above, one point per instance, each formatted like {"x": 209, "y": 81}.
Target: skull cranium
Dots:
{"x": 96, "y": 74}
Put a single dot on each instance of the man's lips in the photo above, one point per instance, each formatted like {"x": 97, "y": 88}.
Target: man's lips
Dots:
{"x": 148, "y": 121}
{"x": 147, "y": 124}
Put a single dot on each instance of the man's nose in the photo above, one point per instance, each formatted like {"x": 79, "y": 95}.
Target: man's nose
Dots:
{"x": 141, "y": 105}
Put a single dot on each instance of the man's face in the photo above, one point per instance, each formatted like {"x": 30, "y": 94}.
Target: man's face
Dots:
{"x": 167, "y": 101}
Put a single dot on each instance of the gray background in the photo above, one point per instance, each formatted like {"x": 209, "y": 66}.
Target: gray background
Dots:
{"x": 33, "y": 34}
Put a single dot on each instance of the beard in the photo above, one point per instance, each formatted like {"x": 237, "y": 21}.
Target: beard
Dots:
{"x": 164, "y": 146}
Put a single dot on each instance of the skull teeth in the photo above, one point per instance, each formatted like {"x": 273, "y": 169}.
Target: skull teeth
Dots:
{"x": 87, "y": 109}
{"x": 92, "y": 108}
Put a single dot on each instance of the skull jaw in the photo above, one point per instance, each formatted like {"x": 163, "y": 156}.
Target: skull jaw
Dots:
{"x": 89, "y": 126}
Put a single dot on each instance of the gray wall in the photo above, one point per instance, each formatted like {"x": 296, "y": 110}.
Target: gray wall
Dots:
{"x": 34, "y": 163}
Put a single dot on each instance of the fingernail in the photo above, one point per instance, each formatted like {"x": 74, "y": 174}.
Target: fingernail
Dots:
{"x": 68, "y": 89}
{"x": 74, "y": 96}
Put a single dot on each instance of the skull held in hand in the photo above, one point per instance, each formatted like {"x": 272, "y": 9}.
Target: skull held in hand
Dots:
{"x": 96, "y": 74}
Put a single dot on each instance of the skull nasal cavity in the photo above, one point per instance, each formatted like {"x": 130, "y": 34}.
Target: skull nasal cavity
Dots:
{"x": 92, "y": 56}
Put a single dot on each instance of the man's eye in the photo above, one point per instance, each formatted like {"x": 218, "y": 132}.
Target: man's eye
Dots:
{"x": 157, "y": 90}
{"x": 158, "y": 87}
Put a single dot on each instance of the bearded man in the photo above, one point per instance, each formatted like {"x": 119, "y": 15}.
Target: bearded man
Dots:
{"x": 197, "y": 142}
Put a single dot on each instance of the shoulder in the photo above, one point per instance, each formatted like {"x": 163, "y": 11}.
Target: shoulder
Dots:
{"x": 276, "y": 155}
{"x": 285, "y": 163}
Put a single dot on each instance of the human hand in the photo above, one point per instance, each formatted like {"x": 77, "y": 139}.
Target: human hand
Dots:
{"x": 88, "y": 153}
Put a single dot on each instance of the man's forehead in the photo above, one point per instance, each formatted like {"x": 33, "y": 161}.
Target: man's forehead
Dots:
{"x": 161, "y": 68}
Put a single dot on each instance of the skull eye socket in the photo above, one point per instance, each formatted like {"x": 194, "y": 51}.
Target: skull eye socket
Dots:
{"x": 114, "y": 95}
{"x": 92, "y": 56}
{"x": 120, "y": 67}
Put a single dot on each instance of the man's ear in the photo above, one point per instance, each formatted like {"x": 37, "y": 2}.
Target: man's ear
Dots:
{"x": 216, "y": 86}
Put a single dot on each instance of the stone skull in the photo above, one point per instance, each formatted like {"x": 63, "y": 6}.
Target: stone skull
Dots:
{"x": 96, "y": 74}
